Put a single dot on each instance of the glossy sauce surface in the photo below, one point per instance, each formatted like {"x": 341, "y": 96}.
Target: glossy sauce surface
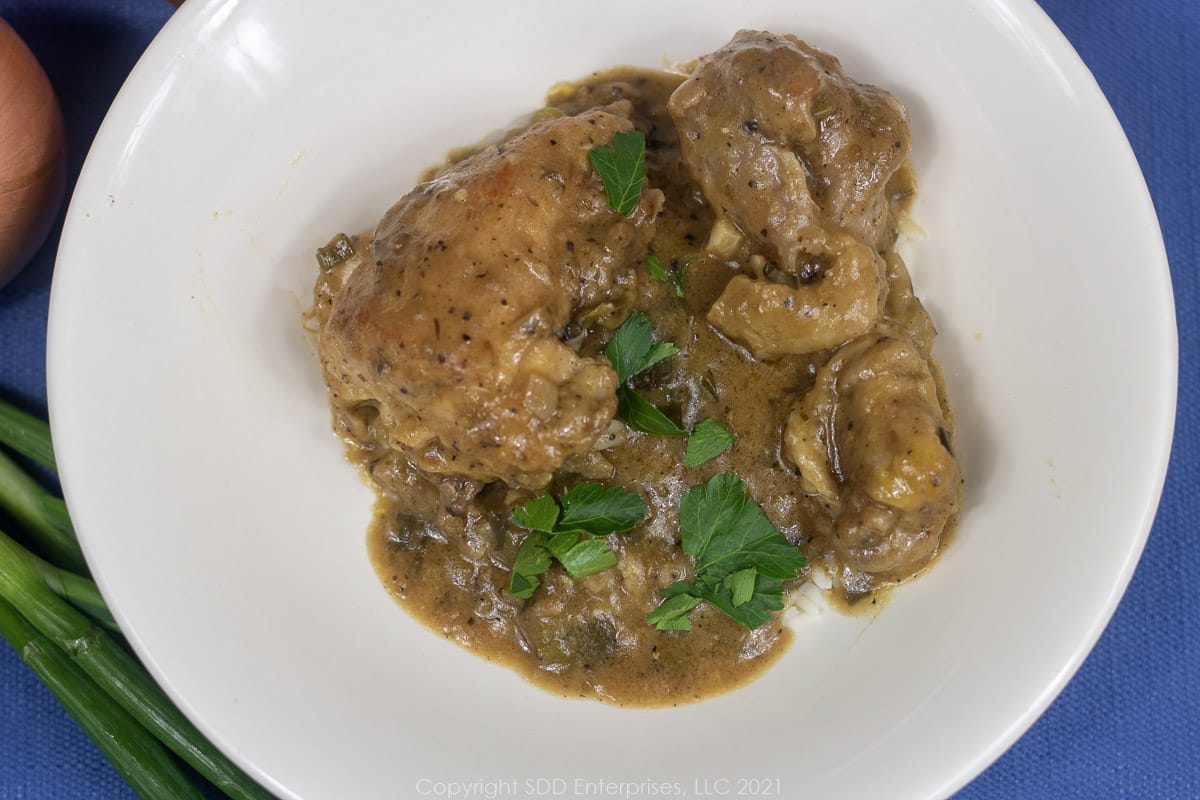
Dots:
{"x": 444, "y": 551}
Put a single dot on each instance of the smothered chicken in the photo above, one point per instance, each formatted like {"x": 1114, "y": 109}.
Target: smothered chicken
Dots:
{"x": 452, "y": 328}
{"x": 793, "y": 154}
{"x": 778, "y": 412}
{"x": 870, "y": 438}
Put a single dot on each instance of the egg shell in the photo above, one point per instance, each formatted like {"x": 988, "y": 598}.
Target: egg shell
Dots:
{"x": 32, "y": 154}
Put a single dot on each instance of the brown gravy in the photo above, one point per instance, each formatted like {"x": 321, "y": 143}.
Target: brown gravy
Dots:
{"x": 589, "y": 637}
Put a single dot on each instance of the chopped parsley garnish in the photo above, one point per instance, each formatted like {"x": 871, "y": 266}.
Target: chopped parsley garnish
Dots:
{"x": 741, "y": 559}
{"x": 622, "y": 168}
{"x": 706, "y": 441}
{"x": 657, "y": 270}
{"x": 631, "y": 351}
{"x": 568, "y": 530}
{"x": 640, "y": 414}
{"x": 662, "y": 274}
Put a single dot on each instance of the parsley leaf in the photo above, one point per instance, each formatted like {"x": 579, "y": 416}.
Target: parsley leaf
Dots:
{"x": 640, "y": 414}
{"x": 539, "y": 514}
{"x": 657, "y": 270}
{"x": 671, "y": 614}
{"x": 740, "y": 585}
{"x": 622, "y": 168}
{"x": 533, "y": 558}
{"x": 587, "y": 557}
{"x": 679, "y": 278}
{"x": 706, "y": 441}
{"x": 592, "y": 509}
{"x": 741, "y": 559}
{"x": 660, "y": 273}
{"x": 632, "y": 349}
{"x": 568, "y": 530}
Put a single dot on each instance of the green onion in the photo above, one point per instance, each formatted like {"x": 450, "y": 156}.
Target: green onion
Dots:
{"x": 52, "y": 615}
{"x": 27, "y": 435}
{"x": 42, "y": 516}
{"x": 135, "y": 754}
{"x": 114, "y": 670}
{"x": 79, "y": 592}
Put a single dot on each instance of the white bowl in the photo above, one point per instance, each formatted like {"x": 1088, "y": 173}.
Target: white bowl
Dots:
{"x": 228, "y": 533}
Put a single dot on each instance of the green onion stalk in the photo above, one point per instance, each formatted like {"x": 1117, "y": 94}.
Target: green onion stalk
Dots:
{"x": 136, "y": 755}
{"x": 56, "y": 619}
{"x": 27, "y": 435}
{"x": 41, "y": 515}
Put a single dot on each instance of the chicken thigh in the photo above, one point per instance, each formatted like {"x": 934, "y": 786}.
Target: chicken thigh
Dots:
{"x": 870, "y": 438}
{"x": 794, "y": 155}
{"x": 451, "y": 328}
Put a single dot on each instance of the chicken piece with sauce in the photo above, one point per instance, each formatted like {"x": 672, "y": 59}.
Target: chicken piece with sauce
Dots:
{"x": 797, "y": 157}
{"x": 451, "y": 328}
{"x": 871, "y": 440}
{"x": 836, "y": 293}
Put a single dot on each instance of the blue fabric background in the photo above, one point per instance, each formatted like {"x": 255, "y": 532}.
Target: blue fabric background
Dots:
{"x": 1127, "y": 725}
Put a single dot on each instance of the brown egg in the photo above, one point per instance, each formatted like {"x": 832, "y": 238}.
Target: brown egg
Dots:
{"x": 32, "y": 154}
